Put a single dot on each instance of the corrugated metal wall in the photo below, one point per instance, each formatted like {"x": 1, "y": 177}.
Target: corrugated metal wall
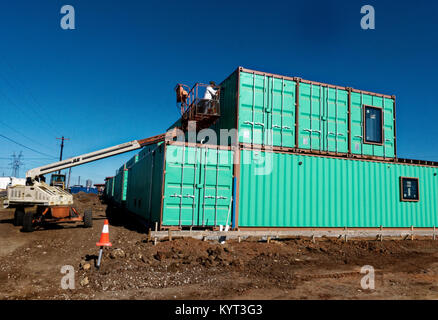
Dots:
{"x": 111, "y": 187}
{"x": 118, "y": 186}
{"x": 106, "y": 191}
{"x": 144, "y": 186}
{"x": 132, "y": 161}
{"x": 228, "y": 104}
{"x": 331, "y": 192}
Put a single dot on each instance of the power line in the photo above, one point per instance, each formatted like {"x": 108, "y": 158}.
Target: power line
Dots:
{"x": 29, "y": 94}
{"x": 32, "y": 159}
{"x": 34, "y": 141}
{"x": 26, "y": 114}
{"x": 36, "y": 113}
{"x": 22, "y": 145}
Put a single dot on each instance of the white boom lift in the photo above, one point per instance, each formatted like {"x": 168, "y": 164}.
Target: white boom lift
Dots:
{"x": 54, "y": 204}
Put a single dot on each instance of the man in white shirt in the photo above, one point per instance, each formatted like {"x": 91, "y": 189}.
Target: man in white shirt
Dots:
{"x": 209, "y": 91}
{"x": 209, "y": 95}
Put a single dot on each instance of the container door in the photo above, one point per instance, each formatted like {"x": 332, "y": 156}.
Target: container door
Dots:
{"x": 323, "y": 122}
{"x": 335, "y": 120}
{"x": 311, "y": 113}
{"x": 181, "y": 193}
{"x": 282, "y": 111}
{"x": 198, "y": 186}
{"x": 216, "y": 179}
{"x": 266, "y": 110}
{"x": 252, "y": 103}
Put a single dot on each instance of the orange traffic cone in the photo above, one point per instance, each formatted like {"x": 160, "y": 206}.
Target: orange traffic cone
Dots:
{"x": 104, "y": 237}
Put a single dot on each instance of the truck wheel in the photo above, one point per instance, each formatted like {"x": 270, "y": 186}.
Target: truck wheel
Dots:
{"x": 18, "y": 217}
{"x": 88, "y": 218}
{"x": 28, "y": 222}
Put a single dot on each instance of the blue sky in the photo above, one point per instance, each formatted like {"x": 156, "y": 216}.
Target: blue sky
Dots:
{"x": 111, "y": 79}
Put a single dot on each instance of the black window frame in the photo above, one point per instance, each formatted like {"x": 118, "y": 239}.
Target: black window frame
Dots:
{"x": 402, "y": 198}
{"x": 365, "y": 107}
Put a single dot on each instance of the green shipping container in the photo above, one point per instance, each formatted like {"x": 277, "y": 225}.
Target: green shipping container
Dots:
{"x": 177, "y": 185}
{"x": 120, "y": 186}
{"x": 109, "y": 188}
{"x": 290, "y": 190}
{"x": 292, "y": 113}
{"x": 145, "y": 183}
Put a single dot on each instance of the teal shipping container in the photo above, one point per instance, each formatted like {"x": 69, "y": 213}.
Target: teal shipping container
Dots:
{"x": 182, "y": 185}
{"x": 109, "y": 188}
{"x": 120, "y": 186}
{"x": 293, "y": 113}
{"x": 145, "y": 186}
{"x": 296, "y": 190}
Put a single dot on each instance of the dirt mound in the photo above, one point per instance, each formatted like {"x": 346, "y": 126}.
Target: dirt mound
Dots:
{"x": 84, "y": 201}
{"x": 175, "y": 263}
{"x": 83, "y": 197}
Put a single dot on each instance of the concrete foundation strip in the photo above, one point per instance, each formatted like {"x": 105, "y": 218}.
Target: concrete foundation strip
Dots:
{"x": 346, "y": 234}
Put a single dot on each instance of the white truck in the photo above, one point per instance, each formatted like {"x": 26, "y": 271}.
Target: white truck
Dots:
{"x": 53, "y": 203}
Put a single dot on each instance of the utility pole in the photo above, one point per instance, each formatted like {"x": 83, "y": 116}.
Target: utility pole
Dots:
{"x": 62, "y": 148}
{"x": 68, "y": 181}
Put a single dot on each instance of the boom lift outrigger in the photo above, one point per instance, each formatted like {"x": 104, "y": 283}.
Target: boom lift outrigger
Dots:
{"x": 53, "y": 203}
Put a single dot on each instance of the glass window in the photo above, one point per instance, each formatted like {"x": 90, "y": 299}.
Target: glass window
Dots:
{"x": 409, "y": 189}
{"x": 373, "y": 125}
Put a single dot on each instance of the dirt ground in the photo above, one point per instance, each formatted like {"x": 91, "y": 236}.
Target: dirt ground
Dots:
{"x": 30, "y": 265}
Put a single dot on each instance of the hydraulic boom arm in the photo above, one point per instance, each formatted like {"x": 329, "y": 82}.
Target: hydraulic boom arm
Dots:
{"x": 34, "y": 174}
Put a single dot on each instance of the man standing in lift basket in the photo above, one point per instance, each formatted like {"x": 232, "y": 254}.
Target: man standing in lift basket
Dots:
{"x": 209, "y": 95}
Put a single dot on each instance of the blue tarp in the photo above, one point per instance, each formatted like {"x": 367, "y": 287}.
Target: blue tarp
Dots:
{"x": 83, "y": 189}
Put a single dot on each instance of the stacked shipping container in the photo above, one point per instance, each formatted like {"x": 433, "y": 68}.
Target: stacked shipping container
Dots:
{"x": 308, "y": 155}
{"x": 120, "y": 185}
{"x": 180, "y": 185}
{"x": 314, "y": 191}
{"x": 109, "y": 187}
{"x": 292, "y": 113}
